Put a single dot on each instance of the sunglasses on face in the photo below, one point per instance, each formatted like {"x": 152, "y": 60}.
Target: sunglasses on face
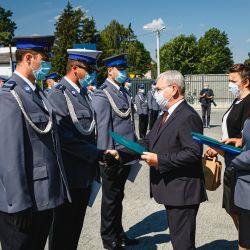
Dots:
{"x": 90, "y": 69}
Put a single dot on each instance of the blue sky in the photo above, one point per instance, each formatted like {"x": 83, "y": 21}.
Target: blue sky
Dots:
{"x": 179, "y": 16}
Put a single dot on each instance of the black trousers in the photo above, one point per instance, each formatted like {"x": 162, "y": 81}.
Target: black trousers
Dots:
{"x": 182, "y": 226}
{"x": 143, "y": 125}
{"x": 206, "y": 111}
{"x": 25, "y": 230}
{"x": 111, "y": 207}
{"x": 68, "y": 221}
{"x": 152, "y": 118}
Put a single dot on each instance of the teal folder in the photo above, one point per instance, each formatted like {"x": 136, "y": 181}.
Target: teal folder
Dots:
{"x": 128, "y": 143}
{"x": 216, "y": 144}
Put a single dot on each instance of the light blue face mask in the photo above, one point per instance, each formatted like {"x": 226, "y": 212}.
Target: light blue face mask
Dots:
{"x": 87, "y": 80}
{"x": 42, "y": 71}
{"x": 122, "y": 76}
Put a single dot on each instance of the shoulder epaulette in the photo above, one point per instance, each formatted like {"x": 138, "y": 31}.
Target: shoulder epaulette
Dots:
{"x": 9, "y": 85}
{"x": 60, "y": 87}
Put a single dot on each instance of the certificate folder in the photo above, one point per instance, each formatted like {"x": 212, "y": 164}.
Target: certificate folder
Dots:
{"x": 216, "y": 144}
{"x": 128, "y": 143}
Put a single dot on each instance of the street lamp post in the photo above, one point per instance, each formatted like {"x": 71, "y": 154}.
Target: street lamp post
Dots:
{"x": 158, "y": 49}
{"x": 157, "y": 25}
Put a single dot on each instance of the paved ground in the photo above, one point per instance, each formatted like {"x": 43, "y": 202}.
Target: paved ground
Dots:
{"x": 146, "y": 220}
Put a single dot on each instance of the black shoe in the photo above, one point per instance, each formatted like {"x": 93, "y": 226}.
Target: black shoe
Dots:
{"x": 126, "y": 241}
{"x": 113, "y": 246}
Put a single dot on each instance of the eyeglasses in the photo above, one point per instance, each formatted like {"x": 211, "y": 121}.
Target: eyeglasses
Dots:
{"x": 89, "y": 69}
{"x": 159, "y": 90}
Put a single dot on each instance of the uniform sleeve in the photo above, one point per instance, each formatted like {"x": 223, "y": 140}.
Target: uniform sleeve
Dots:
{"x": 70, "y": 143}
{"x": 242, "y": 161}
{"x": 12, "y": 154}
{"x": 149, "y": 99}
{"x": 138, "y": 104}
{"x": 103, "y": 117}
{"x": 190, "y": 152}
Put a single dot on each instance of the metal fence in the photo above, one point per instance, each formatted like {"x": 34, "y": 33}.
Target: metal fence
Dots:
{"x": 218, "y": 83}
{"x": 194, "y": 84}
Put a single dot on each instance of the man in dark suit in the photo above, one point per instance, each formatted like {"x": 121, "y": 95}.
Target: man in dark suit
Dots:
{"x": 76, "y": 123}
{"x": 32, "y": 177}
{"x": 174, "y": 158}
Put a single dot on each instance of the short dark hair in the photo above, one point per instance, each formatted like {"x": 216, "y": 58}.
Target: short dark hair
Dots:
{"x": 20, "y": 53}
{"x": 72, "y": 63}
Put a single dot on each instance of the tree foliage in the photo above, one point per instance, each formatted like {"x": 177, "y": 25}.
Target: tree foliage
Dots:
{"x": 89, "y": 32}
{"x": 179, "y": 53}
{"x": 214, "y": 55}
{"x": 209, "y": 55}
{"x": 7, "y": 27}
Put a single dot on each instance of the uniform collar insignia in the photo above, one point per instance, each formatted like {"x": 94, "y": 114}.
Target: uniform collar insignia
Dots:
{"x": 27, "y": 89}
{"x": 73, "y": 92}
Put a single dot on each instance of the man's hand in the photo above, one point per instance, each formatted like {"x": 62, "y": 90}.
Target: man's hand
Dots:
{"x": 110, "y": 162}
{"x": 150, "y": 158}
{"x": 213, "y": 152}
{"x": 113, "y": 152}
{"x": 237, "y": 142}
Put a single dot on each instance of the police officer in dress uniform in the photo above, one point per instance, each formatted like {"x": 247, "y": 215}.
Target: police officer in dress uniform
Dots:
{"x": 142, "y": 110}
{"x": 112, "y": 106}
{"x": 76, "y": 124}
{"x": 127, "y": 86}
{"x": 153, "y": 106}
{"x": 32, "y": 177}
{"x": 51, "y": 80}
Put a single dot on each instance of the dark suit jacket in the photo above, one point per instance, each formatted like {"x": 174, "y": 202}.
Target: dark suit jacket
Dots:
{"x": 178, "y": 180}
{"x": 79, "y": 151}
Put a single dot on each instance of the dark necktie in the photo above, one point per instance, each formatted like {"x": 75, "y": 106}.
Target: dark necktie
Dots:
{"x": 123, "y": 91}
{"x": 164, "y": 118}
{"x": 36, "y": 91}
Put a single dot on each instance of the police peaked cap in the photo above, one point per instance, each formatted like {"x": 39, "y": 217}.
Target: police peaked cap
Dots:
{"x": 118, "y": 60}
{"x": 84, "y": 55}
{"x": 41, "y": 43}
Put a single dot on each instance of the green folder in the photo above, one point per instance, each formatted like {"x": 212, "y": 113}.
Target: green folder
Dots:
{"x": 128, "y": 143}
{"x": 216, "y": 144}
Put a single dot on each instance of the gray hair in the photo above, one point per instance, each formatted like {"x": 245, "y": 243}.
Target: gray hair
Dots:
{"x": 173, "y": 77}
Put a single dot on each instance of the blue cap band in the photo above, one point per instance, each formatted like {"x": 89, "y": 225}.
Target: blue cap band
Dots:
{"x": 117, "y": 62}
{"x": 25, "y": 45}
{"x": 81, "y": 58}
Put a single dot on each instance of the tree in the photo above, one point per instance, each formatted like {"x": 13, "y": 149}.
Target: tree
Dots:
{"x": 138, "y": 58}
{"x": 68, "y": 30}
{"x": 89, "y": 33}
{"x": 214, "y": 55}
{"x": 180, "y": 54}
{"x": 7, "y": 27}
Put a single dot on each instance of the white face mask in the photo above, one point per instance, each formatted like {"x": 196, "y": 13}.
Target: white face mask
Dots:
{"x": 234, "y": 89}
{"x": 142, "y": 91}
{"x": 161, "y": 100}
